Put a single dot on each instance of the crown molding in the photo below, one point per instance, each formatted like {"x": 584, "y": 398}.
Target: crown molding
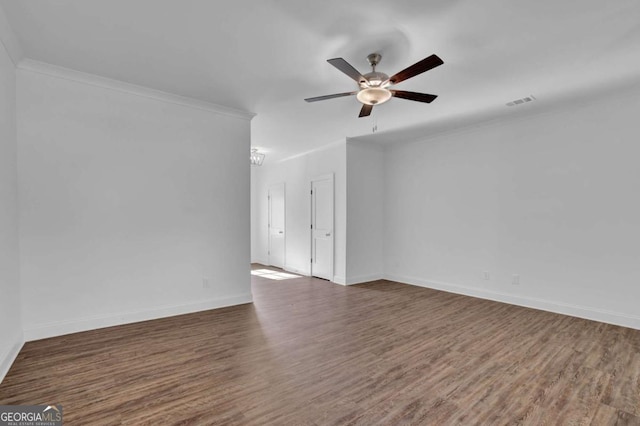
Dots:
{"x": 132, "y": 89}
{"x": 9, "y": 40}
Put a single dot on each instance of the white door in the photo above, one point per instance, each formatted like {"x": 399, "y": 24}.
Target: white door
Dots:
{"x": 276, "y": 225}
{"x": 322, "y": 227}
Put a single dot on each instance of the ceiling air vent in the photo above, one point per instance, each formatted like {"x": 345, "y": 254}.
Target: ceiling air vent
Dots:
{"x": 521, "y": 101}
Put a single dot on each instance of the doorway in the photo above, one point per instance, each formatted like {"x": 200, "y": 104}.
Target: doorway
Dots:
{"x": 276, "y": 224}
{"x": 322, "y": 227}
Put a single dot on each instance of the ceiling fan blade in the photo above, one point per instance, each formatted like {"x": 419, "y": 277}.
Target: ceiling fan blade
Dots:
{"x": 322, "y": 98}
{"x": 366, "y": 110}
{"x": 346, "y": 68}
{"x": 418, "y": 68}
{"x": 414, "y": 96}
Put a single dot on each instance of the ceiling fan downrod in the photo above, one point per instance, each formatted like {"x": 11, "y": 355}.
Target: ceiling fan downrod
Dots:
{"x": 374, "y": 59}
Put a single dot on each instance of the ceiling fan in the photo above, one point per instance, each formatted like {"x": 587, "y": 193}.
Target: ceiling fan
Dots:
{"x": 374, "y": 86}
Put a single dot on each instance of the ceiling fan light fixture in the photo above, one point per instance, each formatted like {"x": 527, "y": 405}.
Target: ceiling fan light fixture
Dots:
{"x": 373, "y": 95}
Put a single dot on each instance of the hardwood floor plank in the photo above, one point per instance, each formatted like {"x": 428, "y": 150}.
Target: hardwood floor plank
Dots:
{"x": 609, "y": 416}
{"x": 308, "y": 352}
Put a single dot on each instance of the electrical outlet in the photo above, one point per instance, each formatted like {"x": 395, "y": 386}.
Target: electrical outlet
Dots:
{"x": 516, "y": 279}
{"x": 205, "y": 283}
{"x": 486, "y": 275}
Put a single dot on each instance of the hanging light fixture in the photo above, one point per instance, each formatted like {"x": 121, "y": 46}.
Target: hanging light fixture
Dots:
{"x": 255, "y": 157}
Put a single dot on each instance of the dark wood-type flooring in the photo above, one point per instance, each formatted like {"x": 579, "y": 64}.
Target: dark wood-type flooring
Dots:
{"x": 311, "y": 352}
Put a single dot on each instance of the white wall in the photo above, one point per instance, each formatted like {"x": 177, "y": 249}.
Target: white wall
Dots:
{"x": 128, "y": 201}
{"x": 10, "y": 323}
{"x": 297, "y": 173}
{"x": 365, "y": 212}
{"x": 553, "y": 198}
{"x": 256, "y": 253}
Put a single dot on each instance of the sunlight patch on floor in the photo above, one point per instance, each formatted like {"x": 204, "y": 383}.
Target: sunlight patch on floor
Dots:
{"x": 273, "y": 275}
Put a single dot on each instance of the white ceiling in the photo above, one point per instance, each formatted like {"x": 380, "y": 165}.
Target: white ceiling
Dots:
{"x": 266, "y": 56}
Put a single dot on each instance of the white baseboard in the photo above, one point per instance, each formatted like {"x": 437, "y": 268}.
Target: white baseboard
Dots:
{"x": 260, "y": 261}
{"x": 364, "y": 278}
{"x": 295, "y": 270}
{"x": 585, "y": 312}
{"x": 59, "y": 328}
{"x": 339, "y": 280}
{"x": 7, "y": 359}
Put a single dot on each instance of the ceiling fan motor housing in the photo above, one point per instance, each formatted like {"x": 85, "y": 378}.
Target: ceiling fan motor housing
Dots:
{"x": 375, "y": 79}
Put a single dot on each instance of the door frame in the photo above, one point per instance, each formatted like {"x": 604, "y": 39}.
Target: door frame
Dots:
{"x": 331, "y": 177}
{"x": 284, "y": 222}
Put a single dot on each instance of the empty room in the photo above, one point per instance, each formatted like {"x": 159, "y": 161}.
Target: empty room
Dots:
{"x": 281, "y": 212}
